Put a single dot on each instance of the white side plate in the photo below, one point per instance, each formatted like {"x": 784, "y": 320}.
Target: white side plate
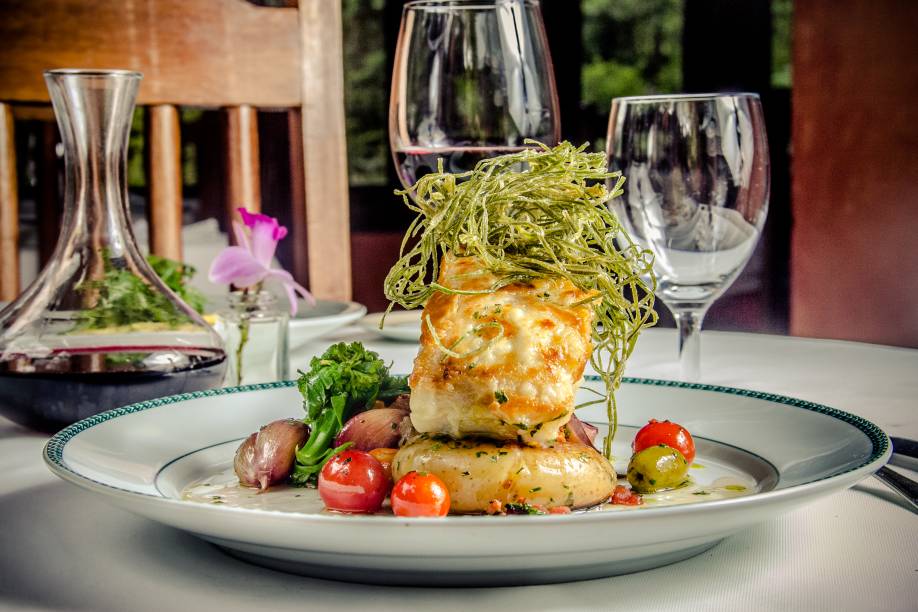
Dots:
{"x": 402, "y": 325}
{"x": 326, "y": 316}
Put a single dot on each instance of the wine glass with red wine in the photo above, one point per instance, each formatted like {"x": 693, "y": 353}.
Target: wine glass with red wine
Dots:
{"x": 471, "y": 80}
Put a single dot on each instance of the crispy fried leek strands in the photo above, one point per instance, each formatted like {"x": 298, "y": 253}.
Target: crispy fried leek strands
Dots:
{"x": 537, "y": 213}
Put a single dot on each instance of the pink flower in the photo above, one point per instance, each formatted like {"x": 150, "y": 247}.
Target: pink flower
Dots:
{"x": 249, "y": 263}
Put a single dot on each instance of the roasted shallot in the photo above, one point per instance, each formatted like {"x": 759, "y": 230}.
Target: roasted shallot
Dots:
{"x": 584, "y": 432}
{"x": 266, "y": 457}
{"x": 376, "y": 428}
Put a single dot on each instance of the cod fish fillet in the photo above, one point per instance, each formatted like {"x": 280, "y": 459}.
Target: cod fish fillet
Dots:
{"x": 504, "y": 365}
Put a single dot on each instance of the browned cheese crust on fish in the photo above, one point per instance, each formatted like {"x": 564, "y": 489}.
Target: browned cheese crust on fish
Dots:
{"x": 504, "y": 365}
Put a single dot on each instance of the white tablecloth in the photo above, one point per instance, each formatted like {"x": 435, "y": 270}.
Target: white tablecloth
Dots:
{"x": 62, "y": 548}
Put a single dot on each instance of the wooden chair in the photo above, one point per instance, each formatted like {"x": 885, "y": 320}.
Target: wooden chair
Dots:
{"x": 229, "y": 54}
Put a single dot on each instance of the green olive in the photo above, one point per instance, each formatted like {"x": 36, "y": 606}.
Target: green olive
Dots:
{"x": 657, "y": 468}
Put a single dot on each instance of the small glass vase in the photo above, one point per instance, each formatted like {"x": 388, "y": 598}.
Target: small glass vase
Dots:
{"x": 254, "y": 331}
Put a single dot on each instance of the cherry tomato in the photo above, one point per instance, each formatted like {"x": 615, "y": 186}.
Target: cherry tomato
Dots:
{"x": 385, "y": 456}
{"x": 420, "y": 494}
{"x": 665, "y": 432}
{"x": 353, "y": 481}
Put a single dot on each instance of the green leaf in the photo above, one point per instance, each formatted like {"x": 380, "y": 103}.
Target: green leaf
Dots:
{"x": 176, "y": 276}
{"x": 122, "y": 298}
{"x": 343, "y": 381}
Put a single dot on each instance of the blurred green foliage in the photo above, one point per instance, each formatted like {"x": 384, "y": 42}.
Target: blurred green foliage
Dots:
{"x": 630, "y": 47}
{"x": 782, "y": 13}
{"x": 190, "y": 147}
{"x": 136, "y": 169}
{"x": 366, "y": 98}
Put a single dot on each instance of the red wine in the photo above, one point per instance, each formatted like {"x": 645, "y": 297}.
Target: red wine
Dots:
{"x": 415, "y": 162}
{"x": 58, "y": 390}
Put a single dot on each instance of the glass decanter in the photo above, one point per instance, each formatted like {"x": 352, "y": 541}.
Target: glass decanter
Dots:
{"x": 98, "y": 329}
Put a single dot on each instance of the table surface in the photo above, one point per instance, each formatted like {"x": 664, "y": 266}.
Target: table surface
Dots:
{"x": 63, "y": 548}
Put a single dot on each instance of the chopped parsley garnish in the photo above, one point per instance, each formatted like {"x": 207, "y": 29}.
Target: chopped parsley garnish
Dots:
{"x": 177, "y": 275}
{"x": 521, "y": 508}
{"x": 500, "y": 396}
{"x": 120, "y": 297}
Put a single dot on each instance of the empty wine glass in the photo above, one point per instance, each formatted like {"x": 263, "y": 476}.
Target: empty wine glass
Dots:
{"x": 471, "y": 80}
{"x": 696, "y": 195}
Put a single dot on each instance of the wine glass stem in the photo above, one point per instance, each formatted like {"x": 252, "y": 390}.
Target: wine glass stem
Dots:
{"x": 688, "y": 323}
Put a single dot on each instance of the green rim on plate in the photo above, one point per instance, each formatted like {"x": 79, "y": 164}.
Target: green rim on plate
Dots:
{"x": 54, "y": 450}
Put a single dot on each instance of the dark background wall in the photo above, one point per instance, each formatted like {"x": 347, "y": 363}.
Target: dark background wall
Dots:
{"x": 854, "y": 256}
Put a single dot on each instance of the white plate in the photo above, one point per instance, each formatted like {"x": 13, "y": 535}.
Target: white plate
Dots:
{"x": 325, "y": 317}
{"x": 402, "y": 325}
{"x": 140, "y": 457}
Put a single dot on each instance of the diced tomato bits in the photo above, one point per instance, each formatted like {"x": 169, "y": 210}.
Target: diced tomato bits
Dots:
{"x": 495, "y": 507}
{"x": 559, "y": 510}
{"x": 625, "y": 496}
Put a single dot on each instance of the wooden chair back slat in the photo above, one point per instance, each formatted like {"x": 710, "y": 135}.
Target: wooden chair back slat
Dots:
{"x": 325, "y": 150}
{"x": 191, "y": 52}
{"x": 243, "y": 169}
{"x": 164, "y": 181}
{"x": 34, "y": 112}
{"x": 9, "y": 208}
